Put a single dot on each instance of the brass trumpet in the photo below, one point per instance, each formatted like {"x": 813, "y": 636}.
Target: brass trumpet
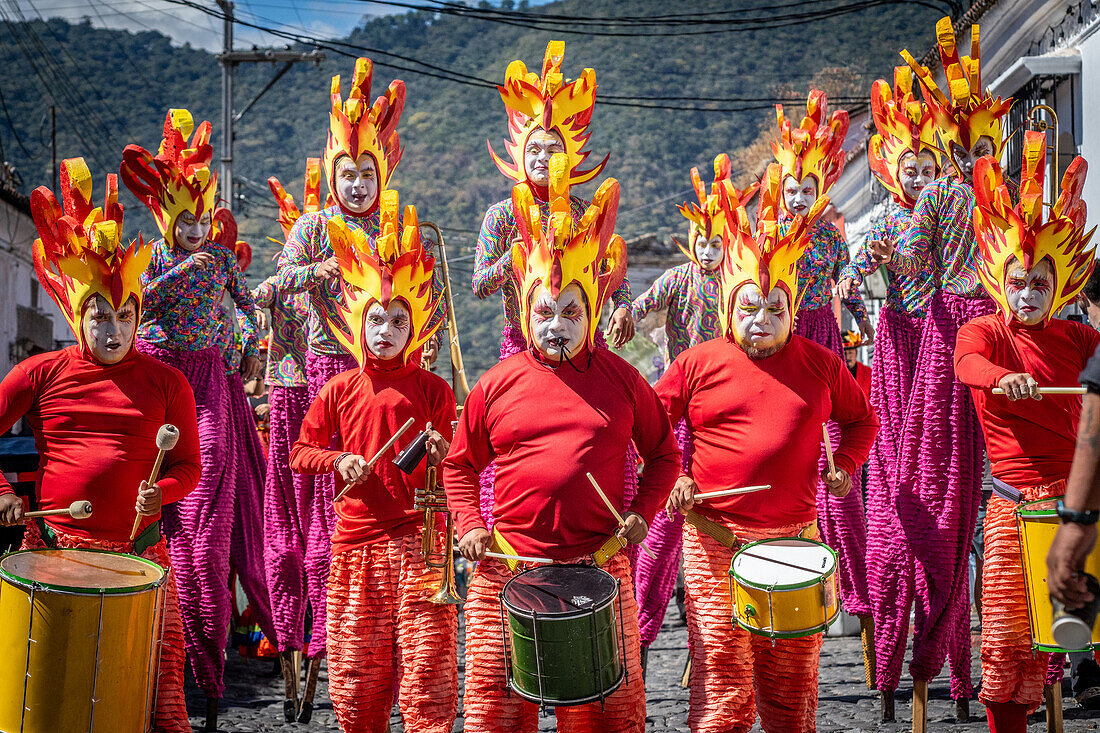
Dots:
{"x": 432, "y": 501}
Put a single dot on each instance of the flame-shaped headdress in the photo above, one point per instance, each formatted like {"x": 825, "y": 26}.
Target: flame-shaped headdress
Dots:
{"x": 289, "y": 213}
{"x": 966, "y": 111}
{"x": 1004, "y": 232}
{"x": 396, "y": 269}
{"x": 356, "y": 128}
{"x": 905, "y": 125}
{"x": 765, "y": 258}
{"x": 814, "y": 148}
{"x": 548, "y": 102}
{"x": 223, "y": 231}
{"x": 706, "y": 219}
{"x": 852, "y": 339}
{"x": 556, "y": 252}
{"x": 178, "y": 178}
{"x": 79, "y": 252}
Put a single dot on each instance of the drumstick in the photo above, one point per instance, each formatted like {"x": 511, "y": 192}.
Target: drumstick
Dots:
{"x": 370, "y": 464}
{"x": 519, "y": 558}
{"x": 828, "y": 450}
{"x": 77, "y": 510}
{"x": 1047, "y": 390}
{"x": 167, "y": 437}
{"x": 615, "y": 512}
{"x": 731, "y": 492}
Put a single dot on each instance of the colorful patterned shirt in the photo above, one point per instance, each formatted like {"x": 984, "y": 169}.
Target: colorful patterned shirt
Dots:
{"x": 229, "y": 341}
{"x": 493, "y": 260}
{"x": 286, "y": 349}
{"x": 182, "y": 302}
{"x": 820, "y": 266}
{"x": 690, "y": 294}
{"x": 905, "y": 294}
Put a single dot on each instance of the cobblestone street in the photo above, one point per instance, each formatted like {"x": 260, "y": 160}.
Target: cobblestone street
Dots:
{"x": 253, "y": 697}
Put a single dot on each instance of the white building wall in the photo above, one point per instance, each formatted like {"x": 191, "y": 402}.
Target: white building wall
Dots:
{"x": 1090, "y": 121}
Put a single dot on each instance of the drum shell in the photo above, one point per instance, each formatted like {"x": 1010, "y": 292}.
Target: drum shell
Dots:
{"x": 1037, "y": 522}
{"x": 50, "y": 640}
{"x": 800, "y": 609}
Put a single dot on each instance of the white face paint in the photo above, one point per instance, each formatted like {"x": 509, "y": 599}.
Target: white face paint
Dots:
{"x": 1029, "y": 294}
{"x": 387, "y": 331}
{"x": 761, "y": 326}
{"x": 541, "y": 146}
{"x": 189, "y": 232}
{"x": 709, "y": 253}
{"x": 915, "y": 172}
{"x": 558, "y": 327}
{"x": 356, "y": 184}
{"x": 965, "y": 159}
{"x": 108, "y": 334}
{"x": 799, "y": 197}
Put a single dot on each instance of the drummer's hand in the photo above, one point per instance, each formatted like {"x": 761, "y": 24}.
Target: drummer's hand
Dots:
{"x": 437, "y": 447}
{"x": 474, "y": 544}
{"x": 149, "y": 497}
{"x": 682, "y": 497}
{"x": 1065, "y": 561}
{"x": 11, "y": 510}
{"x": 634, "y": 530}
{"x": 838, "y": 483}
{"x": 1020, "y": 386}
{"x": 352, "y": 468}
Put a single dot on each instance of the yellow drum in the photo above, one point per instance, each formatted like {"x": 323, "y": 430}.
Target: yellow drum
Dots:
{"x": 79, "y": 640}
{"x": 784, "y": 588}
{"x": 1037, "y": 522}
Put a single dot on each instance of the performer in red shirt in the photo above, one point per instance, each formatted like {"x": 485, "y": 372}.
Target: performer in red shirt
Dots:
{"x": 95, "y": 408}
{"x": 860, "y": 371}
{"x": 381, "y": 625}
{"x": 548, "y": 416}
{"x": 737, "y": 393}
{"x": 1031, "y": 268}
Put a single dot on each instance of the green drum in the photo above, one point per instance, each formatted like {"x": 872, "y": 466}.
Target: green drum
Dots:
{"x": 563, "y": 634}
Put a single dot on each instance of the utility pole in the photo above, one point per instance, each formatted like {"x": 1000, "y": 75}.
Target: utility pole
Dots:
{"x": 53, "y": 146}
{"x": 229, "y": 59}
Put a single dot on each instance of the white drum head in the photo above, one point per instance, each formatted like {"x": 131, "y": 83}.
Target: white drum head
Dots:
{"x": 785, "y": 562}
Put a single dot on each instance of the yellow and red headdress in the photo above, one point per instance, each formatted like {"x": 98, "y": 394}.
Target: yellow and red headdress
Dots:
{"x": 548, "y": 102}
{"x": 79, "y": 253}
{"x": 706, "y": 219}
{"x": 966, "y": 112}
{"x": 357, "y": 128}
{"x": 556, "y": 252}
{"x": 905, "y": 125}
{"x": 396, "y": 269}
{"x": 289, "y": 213}
{"x": 1004, "y": 231}
{"x": 814, "y": 148}
{"x": 765, "y": 257}
{"x": 178, "y": 178}
{"x": 852, "y": 339}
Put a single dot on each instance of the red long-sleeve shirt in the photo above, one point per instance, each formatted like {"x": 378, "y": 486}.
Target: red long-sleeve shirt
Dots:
{"x": 357, "y": 412}
{"x": 546, "y": 427}
{"x": 1030, "y": 442}
{"x": 95, "y": 428}
{"x": 758, "y": 421}
{"x": 863, "y": 377}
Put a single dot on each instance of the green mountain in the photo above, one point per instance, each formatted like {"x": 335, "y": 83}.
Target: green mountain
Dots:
{"x": 111, "y": 88}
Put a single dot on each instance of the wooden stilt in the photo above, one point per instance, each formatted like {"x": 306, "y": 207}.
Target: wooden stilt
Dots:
{"x": 305, "y": 712}
{"x": 684, "y": 681}
{"x": 962, "y": 711}
{"x": 920, "y": 706}
{"x": 867, "y": 634}
{"x": 211, "y": 714}
{"x": 1053, "y": 696}
{"x": 887, "y": 706}
{"x": 290, "y": 685}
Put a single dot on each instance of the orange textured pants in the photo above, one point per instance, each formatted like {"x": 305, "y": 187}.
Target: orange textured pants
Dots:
{"x": 736, "y": 674}
{"x": 381, "y": 628}
{"x": 170, "y": 709}
{"x": 488, "y": 705}
{"x": 1011, "y": 670}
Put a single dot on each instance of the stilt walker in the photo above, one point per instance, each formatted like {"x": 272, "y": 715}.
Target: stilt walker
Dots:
{"x": 184, "y": 284}
{"x": 736, "y": 394}
{"x": 1031, "y": 268}
{"x": 97, "y": 408}
{"x": 689, "y": 294}
{"x": 939, "y": 471}
{"x": 812, "y": 160}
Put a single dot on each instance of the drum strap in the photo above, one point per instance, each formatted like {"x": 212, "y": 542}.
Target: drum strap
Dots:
{"x": 144, "y": 541}
{"x": 608, "y": 550}
{"x": 722, "y": 535}
{"x": 499, "y": 544}
{"x": 599, "y": 557}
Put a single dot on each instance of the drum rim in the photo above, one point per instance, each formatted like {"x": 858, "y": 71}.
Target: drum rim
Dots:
{"x": 1023, "y": 511}
{"x": 28, "y": 583}
{"x": 798, "y": 634}
{"x": 558, "y": 616}
{"x": 573, "y": 701}
{"x": 783, "y": 586}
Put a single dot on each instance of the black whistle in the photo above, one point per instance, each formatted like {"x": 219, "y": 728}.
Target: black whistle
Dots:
{"x": 413, "y": 454}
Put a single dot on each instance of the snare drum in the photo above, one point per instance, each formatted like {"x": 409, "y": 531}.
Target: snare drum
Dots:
{"x": 563, "y": 635}
{"x": 1037, "y": 522}
{"x": 784, "y": 588}
{"x": 79, "y": 640}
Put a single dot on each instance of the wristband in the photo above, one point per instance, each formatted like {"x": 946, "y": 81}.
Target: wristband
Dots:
{"x": 1068, "y": 515}
{"x": 339, "y": 458}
